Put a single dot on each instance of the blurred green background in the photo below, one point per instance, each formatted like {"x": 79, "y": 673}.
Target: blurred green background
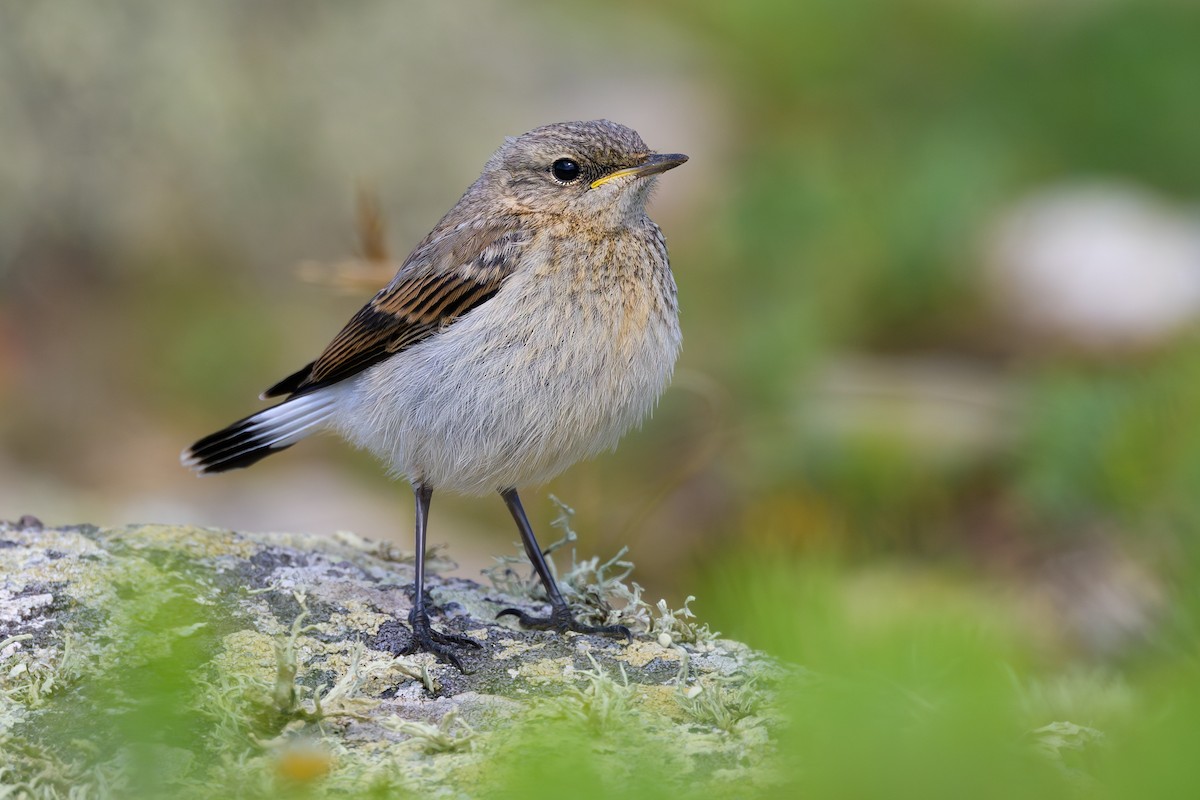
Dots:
{"x": 939, "y": 264}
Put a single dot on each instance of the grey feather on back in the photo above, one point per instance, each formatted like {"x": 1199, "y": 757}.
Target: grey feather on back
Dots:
{"x": 455, "y": 269}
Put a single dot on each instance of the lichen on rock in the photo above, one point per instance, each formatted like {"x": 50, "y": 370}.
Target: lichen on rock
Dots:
{"x": 164, "y": 660}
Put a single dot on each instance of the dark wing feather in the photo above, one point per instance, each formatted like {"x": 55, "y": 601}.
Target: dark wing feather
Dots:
{"x": 444, "y": 278}
{"x": 289, "y": 384}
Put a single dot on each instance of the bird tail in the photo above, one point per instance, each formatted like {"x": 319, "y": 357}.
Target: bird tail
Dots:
{"x": 259, "y": 435}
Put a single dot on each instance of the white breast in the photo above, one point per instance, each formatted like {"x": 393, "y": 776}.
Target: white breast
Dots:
{"x": 555, "y": 368}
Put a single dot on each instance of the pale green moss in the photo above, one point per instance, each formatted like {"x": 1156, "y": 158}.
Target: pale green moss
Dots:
{"x": 159, "y": 660}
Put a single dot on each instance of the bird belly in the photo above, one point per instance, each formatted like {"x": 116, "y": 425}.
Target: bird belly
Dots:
{"x": 513, "y": 393}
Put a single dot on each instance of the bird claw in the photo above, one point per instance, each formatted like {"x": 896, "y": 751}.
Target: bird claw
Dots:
{"x": 427, "y": 640}
{"x": 561, "y": 621}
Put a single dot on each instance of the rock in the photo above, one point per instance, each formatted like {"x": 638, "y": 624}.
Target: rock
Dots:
{"x": 1096, "y": 269}
{"x": 179, "y": 661}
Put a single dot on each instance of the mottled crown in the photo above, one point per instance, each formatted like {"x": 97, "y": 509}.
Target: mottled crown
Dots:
{"x": 599, "y": 146}
{"x": 600, "y": 139}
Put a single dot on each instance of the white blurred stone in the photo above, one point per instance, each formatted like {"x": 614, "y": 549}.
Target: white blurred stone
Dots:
{"x": 1100, "y": 267}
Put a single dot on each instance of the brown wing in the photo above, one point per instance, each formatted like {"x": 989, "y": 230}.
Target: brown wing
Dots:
{"x": 444, "y": 278}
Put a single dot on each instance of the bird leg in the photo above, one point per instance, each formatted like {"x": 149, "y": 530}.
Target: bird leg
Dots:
{"x": 424, "y": 637}
{"x": 560, "y": 618}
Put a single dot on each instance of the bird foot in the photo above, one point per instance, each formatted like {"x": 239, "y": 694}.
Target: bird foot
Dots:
{"x": 561, "y": 620}
{"x": 427, "y": 640}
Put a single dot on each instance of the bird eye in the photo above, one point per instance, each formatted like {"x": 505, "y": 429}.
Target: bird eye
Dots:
{"x": 565, "y": 170}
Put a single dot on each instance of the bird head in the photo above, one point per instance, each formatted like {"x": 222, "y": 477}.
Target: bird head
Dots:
{"x": 598, "y": 170}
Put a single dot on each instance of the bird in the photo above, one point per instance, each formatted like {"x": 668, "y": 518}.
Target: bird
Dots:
{"x": 534, "y": 326}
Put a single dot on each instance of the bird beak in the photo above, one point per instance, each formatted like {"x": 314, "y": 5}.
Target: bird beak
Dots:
{"x": 654, "y": 164}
